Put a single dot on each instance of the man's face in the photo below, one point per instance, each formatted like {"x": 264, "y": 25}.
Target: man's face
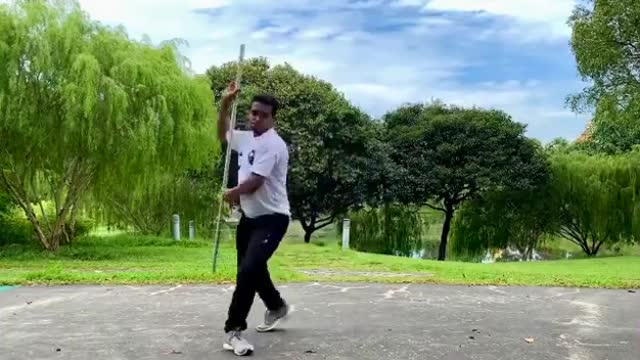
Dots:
{"x": 260, "y": 117}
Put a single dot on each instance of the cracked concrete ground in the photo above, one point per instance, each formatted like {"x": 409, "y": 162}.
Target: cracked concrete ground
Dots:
{"x": 330, "y": 321}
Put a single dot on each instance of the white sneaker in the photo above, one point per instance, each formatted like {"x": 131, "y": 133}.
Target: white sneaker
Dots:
{"x": 272, "y": 318}
{"x": 236, "y": 343}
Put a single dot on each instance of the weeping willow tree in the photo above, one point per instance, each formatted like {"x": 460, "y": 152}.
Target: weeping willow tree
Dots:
{"x": 147, "y": 208}
{"x": 507, "y": 218}
{"x": 597, "y": 199}
{"x": 82, "y": 107}
{"x": 390, "y": 229}
{"x": 590, "y": 201}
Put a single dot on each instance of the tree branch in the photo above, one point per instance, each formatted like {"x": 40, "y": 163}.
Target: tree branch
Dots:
{"x": 631, "y": 45}
{"x": 13, "y": 191}
{"x": 44, "y": 216}
{"x": 328, "y": 218}
{"x": 126, "y": 213}
{"x": 572, "y": 236}
{"x": 23, "y": 201}
{"x": 435, "y": 207}
{"x": 323, "y": 225}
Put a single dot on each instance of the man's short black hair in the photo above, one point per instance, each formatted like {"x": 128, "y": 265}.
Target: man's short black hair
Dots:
{"x": 267, "y": 99}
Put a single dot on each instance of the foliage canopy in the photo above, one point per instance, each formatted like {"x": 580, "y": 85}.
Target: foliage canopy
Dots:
{"x": 82, "y": 106}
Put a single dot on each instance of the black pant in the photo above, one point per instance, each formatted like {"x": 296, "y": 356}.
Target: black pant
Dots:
{"x": 256, "y": 240}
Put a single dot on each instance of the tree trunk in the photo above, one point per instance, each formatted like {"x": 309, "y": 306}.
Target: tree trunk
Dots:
{"x": 572, "y": 233}
{"x": 46, "y": 243}
{"x": 592, "y": 249}
{"x": 24, "y": 203}
{"x": 442, "y": 253}
{"x": 313, "y": 227}
{"x": 309, "y": 228}
{"x": 597, "y": 248}
{"x": 73, "y": 221}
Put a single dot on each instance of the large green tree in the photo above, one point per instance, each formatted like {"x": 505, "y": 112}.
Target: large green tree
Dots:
{"x": 450, "y": 155}
{"x": 328, "y": 138}
{"x": 83, "y": 106}
{"x": 499, "y": 219}
{"x": 591, "y": 201}
{"x": 606, "y": 44}
{"x": 597, "y": 199}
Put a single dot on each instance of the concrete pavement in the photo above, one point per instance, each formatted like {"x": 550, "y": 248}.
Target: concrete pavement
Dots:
{"x": 330, "y": 321}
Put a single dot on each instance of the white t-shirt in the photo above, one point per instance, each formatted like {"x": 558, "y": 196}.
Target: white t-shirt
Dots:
{"x": 265, "y": 155}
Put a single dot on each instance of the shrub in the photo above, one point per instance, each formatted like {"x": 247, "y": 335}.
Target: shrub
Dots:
{"x": 16, "y": 229}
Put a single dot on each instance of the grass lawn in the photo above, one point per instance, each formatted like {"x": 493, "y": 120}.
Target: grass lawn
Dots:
{"x": 127, "y": 259}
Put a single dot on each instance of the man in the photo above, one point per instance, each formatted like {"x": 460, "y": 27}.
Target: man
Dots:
{"x": 262, "y": 194}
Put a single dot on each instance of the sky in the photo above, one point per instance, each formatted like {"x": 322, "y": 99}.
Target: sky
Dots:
{"x": 512, "y": 55}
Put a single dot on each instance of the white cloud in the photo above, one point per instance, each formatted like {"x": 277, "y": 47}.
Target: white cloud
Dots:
{"x": 526, "y": 10}
{"x": 318, "y": 33}
{"x": 165, "y": 20}
{"x": 376, "y": 71}
{"x": 409, "y": 3}
{"x": 530, "y": 19}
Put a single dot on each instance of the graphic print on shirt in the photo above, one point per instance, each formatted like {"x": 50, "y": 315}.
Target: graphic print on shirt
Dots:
{"x": 251, "y": 156}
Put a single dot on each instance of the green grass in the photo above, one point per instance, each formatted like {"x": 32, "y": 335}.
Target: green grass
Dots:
{"x": 126, "y": 259}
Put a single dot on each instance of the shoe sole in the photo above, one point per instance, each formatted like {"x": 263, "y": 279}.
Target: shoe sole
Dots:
{"x": 264, "y": 329}
{"x": 230, "y": 348}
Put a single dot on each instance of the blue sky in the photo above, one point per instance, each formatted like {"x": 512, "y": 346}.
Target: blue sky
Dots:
{"x": 512, "y": 55}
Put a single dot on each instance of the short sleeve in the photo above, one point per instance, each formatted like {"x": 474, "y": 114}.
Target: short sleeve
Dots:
{"x": 239, "y": 138}
{"x": 264, "y": 160}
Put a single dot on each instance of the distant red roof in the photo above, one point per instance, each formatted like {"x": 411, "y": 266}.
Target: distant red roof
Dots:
{"x": 586, "y": 134}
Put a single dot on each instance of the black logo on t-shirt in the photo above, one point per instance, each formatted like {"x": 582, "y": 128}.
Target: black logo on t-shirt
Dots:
{"x": 251, "y": 156}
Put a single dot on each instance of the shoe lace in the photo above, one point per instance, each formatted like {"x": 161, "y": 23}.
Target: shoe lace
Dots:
{"x": 237, "y": 335}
